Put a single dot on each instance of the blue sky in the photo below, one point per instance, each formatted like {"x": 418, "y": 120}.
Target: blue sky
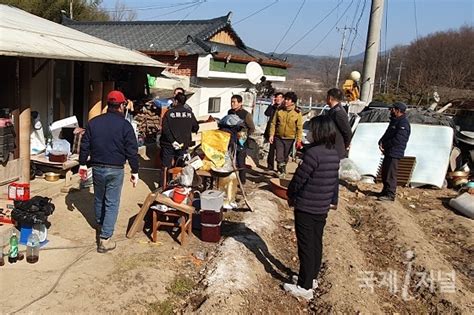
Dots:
{"x": 265, "y": 29}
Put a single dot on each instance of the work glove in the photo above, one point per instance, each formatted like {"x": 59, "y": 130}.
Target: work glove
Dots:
{"x": 83, "y": 172}
{"x": 134, "y": 179}
{"x": 176, "y": 145}
{"x": 299, "y": 145}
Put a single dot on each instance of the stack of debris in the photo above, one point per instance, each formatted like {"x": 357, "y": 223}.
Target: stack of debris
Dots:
{"x": 148, "y": 121}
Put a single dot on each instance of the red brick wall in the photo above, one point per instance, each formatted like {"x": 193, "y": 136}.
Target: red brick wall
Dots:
{"x": 187, "y": 64}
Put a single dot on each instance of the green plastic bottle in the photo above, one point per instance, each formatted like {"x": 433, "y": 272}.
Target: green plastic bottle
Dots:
{"x": 13, "y": 254}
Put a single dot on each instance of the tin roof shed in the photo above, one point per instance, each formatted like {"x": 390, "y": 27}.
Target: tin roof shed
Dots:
{"x": 26, "y": 35}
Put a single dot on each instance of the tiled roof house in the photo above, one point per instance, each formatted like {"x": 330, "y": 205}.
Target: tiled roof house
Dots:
{"x": 207, "y": 52}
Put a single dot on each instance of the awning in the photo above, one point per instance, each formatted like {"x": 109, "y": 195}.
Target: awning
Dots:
{"x": 26, "y": 35}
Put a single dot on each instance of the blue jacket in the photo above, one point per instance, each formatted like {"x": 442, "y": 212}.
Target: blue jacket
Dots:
{"x": 109, "y": 140}
{"x": 312, "y": 187}
{"x": 394, "y": 140}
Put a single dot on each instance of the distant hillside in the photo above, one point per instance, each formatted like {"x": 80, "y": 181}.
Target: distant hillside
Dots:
{"x": 321, "y": 68}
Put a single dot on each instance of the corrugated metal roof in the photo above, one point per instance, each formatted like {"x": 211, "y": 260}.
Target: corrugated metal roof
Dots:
{"x": 27, "y": 35}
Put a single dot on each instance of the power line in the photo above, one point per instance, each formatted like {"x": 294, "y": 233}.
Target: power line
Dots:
{"x": 356, "y": 34}
{"x": 353, "y": 30}
{"x": 341, "y": 53}
{"x": 313, "y": 28}
{"x": 152, "y": 7}
{"x": 195, "y": 3}
{"x": 291, "y": 25}
{"x": 416, "y": 19}
{"x": 331, "y": 29}
{"x": 256, "y": 12}
{"x": 355, "y": 13}
{"x": 173, "y": 27}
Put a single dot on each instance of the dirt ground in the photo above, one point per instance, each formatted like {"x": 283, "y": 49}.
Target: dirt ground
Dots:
{"x": 378, "y": 258}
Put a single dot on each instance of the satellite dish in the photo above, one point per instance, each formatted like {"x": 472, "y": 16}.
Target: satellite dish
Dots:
{"x": 254, "y": 72}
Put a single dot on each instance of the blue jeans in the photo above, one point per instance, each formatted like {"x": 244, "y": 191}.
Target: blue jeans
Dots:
{"x": 107, "y": 189}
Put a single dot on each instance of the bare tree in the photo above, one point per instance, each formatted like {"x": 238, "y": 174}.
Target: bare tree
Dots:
{"x": 328, "y": 67}
{"x": 122, "y": 13}
{"x": 84, "y": 10}
{"x": 444, "y": 59}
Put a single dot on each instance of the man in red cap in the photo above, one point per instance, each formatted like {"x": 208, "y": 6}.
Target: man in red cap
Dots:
{"x": 110, "y": 141}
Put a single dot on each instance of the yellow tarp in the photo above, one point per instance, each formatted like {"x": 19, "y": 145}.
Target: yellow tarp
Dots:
{"x": 214, "y": 143}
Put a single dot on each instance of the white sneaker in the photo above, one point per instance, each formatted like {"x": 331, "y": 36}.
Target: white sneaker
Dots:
{"x": 227, "y": 206}
{"x": 294, "y": 279}
{"x": 234, "y": 205}
{"x": 298, "y": 291}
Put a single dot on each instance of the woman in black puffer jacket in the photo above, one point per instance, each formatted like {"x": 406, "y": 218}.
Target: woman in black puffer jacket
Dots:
{"x": 310, "y": 192}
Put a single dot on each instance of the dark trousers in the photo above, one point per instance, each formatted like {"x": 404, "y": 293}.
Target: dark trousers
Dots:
{"x": 309, "y": 234}
{"x": 389, "y": 175}
{"x": 283, "y": 148}
{"x": 240, "y": 156}
{"x": 271, "y": 156}
{"x": 168, "y": 154}
{"x": 335, "y": 196}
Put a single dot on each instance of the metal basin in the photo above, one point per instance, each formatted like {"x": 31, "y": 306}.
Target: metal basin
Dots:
{"x": 51, "y": 176}
{"x": 279, "y": 187}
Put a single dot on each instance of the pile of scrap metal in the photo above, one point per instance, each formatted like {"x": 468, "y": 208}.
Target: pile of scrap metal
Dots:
{"x": 432, "y": 141}
{"x": 463, "y": 115}
{"x": 464, "y": 203}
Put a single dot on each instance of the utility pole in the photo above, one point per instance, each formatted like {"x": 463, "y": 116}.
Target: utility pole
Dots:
{"x": 386, "y": 73}
{"x": 341, "y": 53}
{"x": 371, "y": 51}
{"x": 70, "y": 10}
{"x": 399, "y": 74}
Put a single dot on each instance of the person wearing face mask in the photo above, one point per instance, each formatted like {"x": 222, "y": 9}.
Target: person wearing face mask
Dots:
{"x": 393, "y": 144}
{"x": 248, "y": 127}
{"x": 109, "y": 140}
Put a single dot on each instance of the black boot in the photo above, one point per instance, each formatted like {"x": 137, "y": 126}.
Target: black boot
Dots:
{"x": 281, "y": 170}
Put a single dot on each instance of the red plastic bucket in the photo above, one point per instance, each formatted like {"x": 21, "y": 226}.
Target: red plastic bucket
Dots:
{"x": 211, "y": 232}
{"x": 179, "y": 194}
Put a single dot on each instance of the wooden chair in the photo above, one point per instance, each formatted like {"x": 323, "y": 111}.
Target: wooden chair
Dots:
{"x": 172, "y": 218}
{"x": 181, "y": 210}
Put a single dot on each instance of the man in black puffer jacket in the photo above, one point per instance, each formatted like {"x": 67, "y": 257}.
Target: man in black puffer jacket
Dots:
{"x": 311, "y": 191}
{"x": 393, "y": 144}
